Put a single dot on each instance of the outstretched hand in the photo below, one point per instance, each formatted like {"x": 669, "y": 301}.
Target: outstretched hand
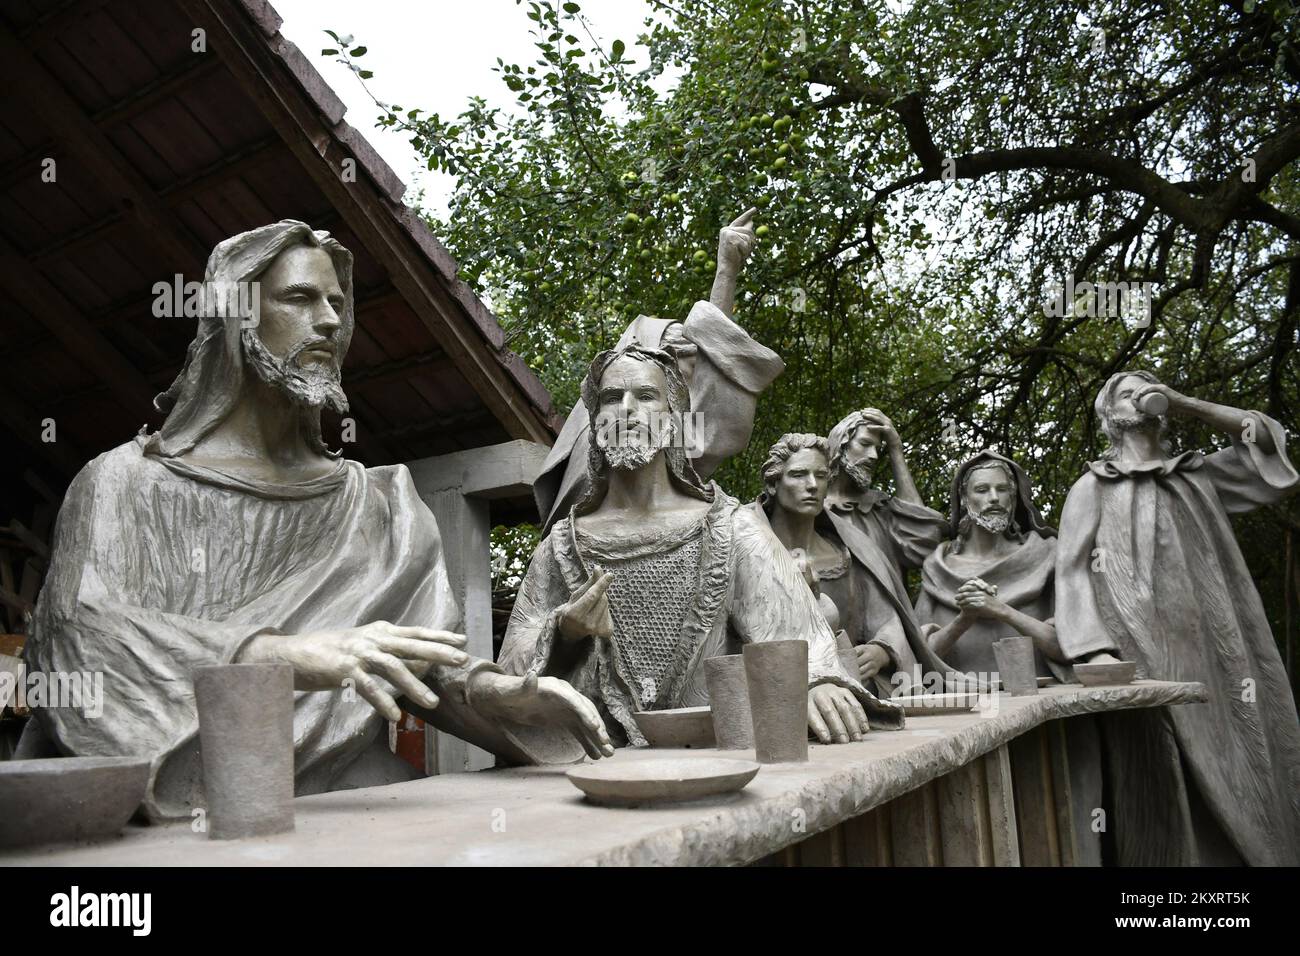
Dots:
{"x": 544, "y": 701}
{"x": 356, "y": 656}
{"x": 835, "y": 715}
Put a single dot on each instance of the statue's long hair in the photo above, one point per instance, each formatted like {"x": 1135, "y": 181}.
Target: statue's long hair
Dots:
{"x": 680, "y": 470}
{"x": 1106, "y": 400}
{"x": 782, "y": 450}
{"x": 208, "y": 386}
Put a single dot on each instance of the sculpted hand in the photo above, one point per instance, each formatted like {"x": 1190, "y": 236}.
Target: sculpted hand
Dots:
{"x": 835, "y": 715}
{"x": 888, "y": 434}
{"x": 1177, "y": 401}
{"x": 545, "y": 701}
{"x": 587, "y": 613}
{"x": 980, "y": 599}
{"x": 736, "y": 242}
{"x": 326, "y": 660}
{"x": 871, "y": 658}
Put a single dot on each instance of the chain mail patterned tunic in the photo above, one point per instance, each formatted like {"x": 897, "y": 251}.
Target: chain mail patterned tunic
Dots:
{"x": 678, "y": 596}
{"x": 648, "y": 633}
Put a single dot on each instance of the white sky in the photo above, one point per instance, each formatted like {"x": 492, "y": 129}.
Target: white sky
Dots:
{"x": 435, "y": 55}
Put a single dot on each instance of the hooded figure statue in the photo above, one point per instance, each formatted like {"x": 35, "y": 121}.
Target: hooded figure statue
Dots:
{"x": 972, "y": 596}
{"x": 225, "y": 537}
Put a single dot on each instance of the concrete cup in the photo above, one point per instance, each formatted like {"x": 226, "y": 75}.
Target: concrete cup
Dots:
{"x": 776, "y": 675}
{"x": 246, "y": 734}
{"x": 733, "y": 725}
{"x": 1015, "y": 657}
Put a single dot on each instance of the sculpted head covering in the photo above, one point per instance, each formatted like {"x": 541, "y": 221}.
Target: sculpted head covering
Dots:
{"x": 680, "y": 470}
{"x": 1106, "y": 398}
{"x": 209, "y": 385}
{"x": 1026, "y": 516}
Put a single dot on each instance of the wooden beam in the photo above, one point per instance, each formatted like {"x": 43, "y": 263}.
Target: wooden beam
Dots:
{"x": 396, "y": 370}
{"x": 166, "y": 86}
{"x": 59, "y": 19}
{"x": 494, "y": 471}
{"x": 104, "y": 229}
{"x": 35, "y": 483}
{"x": 225, "y": 169}
{"x": 114, "y": 114}
{"x": 62, "y": 455}
{"x": 70, "y": 125}
{"x": 39, "y": 298}
{"x": 266, "y": 78}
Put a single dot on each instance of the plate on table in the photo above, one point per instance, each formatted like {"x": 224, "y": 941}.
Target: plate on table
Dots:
{"x": 1112, "y": 672}
{"x": 637, "y": 782}
{"x": 928, "y": 705}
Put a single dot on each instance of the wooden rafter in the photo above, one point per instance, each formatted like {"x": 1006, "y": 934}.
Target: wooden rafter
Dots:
{"x": 78, "y": 134}
{"x": 266, "y": 79}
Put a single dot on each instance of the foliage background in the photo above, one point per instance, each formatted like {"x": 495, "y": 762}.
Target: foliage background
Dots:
{"x": 925, "y": 173}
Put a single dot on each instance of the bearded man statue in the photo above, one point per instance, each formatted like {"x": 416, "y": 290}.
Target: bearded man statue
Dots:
{"x": 1148, "y": 570}
{"x": 996, "y": 577}
{"x": 234, "y": 535}
{"x": 653, "y": 572}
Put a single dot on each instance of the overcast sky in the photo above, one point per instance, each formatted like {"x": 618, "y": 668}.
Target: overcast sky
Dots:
{"x": 434, "y": 55}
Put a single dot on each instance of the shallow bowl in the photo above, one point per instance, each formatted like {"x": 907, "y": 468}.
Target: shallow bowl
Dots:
{"x": 681, "y": 727}
{"x": 69, "y": 798}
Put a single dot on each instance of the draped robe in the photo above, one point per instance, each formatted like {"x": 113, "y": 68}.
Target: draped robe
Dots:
{"x": 905, "y": 533}
{"x": 160, "y": 566}
{"x": 1025, "y": 580}
{"x": 873, "y": 605}
{"x": 1148, "y": 569}
{"x": 749, "y": 590}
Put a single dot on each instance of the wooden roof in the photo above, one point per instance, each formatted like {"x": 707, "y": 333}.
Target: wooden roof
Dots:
{"x": 160, "y": 153}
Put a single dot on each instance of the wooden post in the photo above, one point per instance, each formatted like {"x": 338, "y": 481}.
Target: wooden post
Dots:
{"x": 458, "y": 488}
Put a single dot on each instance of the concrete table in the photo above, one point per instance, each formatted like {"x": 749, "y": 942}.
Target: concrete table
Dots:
{"x": 960, "y": 789}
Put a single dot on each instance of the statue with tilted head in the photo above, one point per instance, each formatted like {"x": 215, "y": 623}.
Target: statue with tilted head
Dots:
{"x": 233, "y": 534}
{"x": 1148, "y": 570}
{"x": 724, "y": 370}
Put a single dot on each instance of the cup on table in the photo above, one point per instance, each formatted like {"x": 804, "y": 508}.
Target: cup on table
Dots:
{"x": 1015, "y": 657}
{"x": 246, "y": 734}
{"x": 776, "y": 676}
{"x": 733, "y": 724}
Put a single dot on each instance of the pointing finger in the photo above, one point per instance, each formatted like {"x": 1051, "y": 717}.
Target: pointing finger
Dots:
{"x": 745, "y": 217}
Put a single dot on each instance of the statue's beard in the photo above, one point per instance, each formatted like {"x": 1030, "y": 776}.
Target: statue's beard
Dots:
{"x": 1140, "y": 422}
{"x": 313, "y": 385}
{"x": 859, "y": 473}
{"x": 995, "y": 522}
{"x": 632, "y": 448}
